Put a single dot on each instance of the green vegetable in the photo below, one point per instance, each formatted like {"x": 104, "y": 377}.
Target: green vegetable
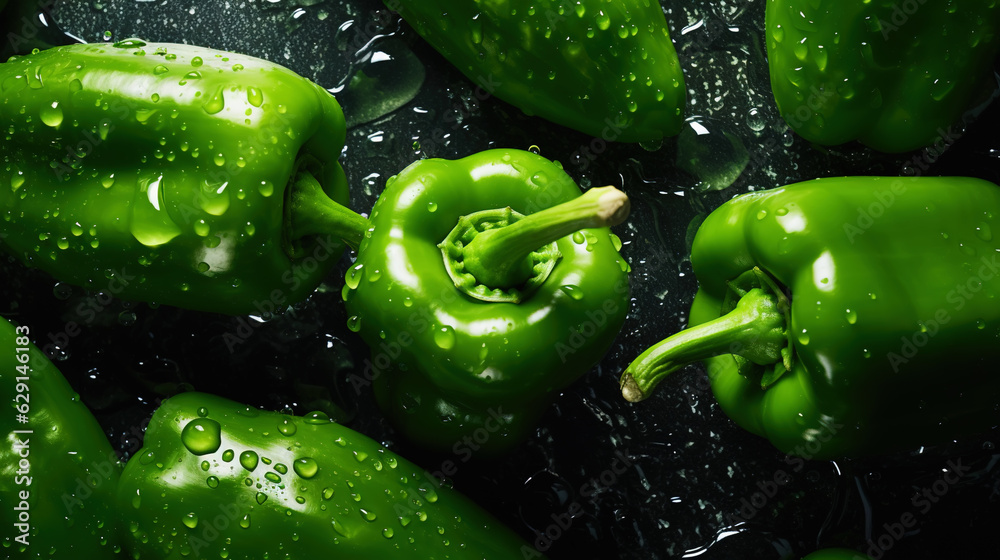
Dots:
{"x": 896, "y": 76}
{"x": 476, "y": 316}
{"x": 160, "y": 172}
{"x": 57, "y": 470}
{"x": 604, "y": 67}
{"x": 216, "y": 479}
{"x": 828, "y": 311}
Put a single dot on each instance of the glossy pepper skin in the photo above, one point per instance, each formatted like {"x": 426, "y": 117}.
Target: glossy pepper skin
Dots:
{"x": 159, "y": 172}
{"x": 58, "y": 482}
{"x": 878, "y": 292}
{"x": 447, "y": 365}
{"x": 605, "y": 68}
{"x": 895, "y": 80}
{"x": 217, "y": 479}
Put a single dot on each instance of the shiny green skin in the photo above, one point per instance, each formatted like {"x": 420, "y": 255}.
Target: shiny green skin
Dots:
{"x": 445, "y": 366}
{"x": 870, "y": 71}
{"x": 161, "y": 173}
{"x": 604, "y": 67}
{"x": 73, "y": 470}
{"x": 836, "y": 554}
{"x": 316, "y": 490}
{"x": 927, "y": 236}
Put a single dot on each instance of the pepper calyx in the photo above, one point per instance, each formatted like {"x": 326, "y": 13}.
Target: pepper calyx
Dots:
{"x": 754, "y": 331}
{"x": 536, "y": 267}
{"x": 500, "y": 255}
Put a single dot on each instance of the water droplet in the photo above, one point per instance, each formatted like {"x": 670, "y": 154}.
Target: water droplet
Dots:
{"x": 354, "y": 275}
{"x": 803, "y": 337}
{"x": 762, "y": 214}
{"x": 360, "y": 456}
{"x": 306, "y": 467}
{"x": 444, "y": 337}
{"x": 572, "y": 291}
{"x": 578, "y": 238}
{"x": 387, "y": 532}
{"x": 212, "y": 482}
{"x": 249, "y": 460}
{"x": 16, "y": 180}
{"x": 266, "y": 188}
{"x": 151, "y": 224}
{"x": 280, "y": 468}
{"x": 328, "y": 493}
{"x": 255, "y": 97}
{"x": 980, "y": 324}
{"x": 197, "y": 61}
{"x": 852, "y": 316}
{"x": 228, "y": 455}
{"x": 190, "y": 520}
{"x": 216, "y": 102}
{"x": 316, "y": 417}
{"x": 202, "y": 436}
{"x": 51, "y": 114}
{"x": 407, "y": 302}
{"x": 354, "y": 323}
{"x": 432, "y": 206}
{"x": 245, "y": 521}
{"x": 287, "y": 427}
{"x": 368, "y": 515}
{"x": 984, "y": 232}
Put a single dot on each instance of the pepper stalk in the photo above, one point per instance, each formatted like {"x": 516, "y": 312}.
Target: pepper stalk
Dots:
{"x": 753, "y": 327}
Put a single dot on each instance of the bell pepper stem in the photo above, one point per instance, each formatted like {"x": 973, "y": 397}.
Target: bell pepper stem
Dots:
{"x": 314, "y": 213}
{"x": 756, "y": 329}
{"x": 497, "y": 257}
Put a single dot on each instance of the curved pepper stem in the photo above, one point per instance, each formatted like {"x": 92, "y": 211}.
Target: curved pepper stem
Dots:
{"x": 312, "y": 212}
{"x": 500, "y": 258}
{"x": 756, "y": 330}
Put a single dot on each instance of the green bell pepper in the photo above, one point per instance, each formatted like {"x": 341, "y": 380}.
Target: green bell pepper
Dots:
{"x": 604, "y": 67}
{"x": 216, "y": 479}
{"x": 483, "y": 286}
{"x": 891, "y": 283}
{"x": 58, "y": 473}
{"x": 895, "y": 76}
{"x": 160, "y": 172}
